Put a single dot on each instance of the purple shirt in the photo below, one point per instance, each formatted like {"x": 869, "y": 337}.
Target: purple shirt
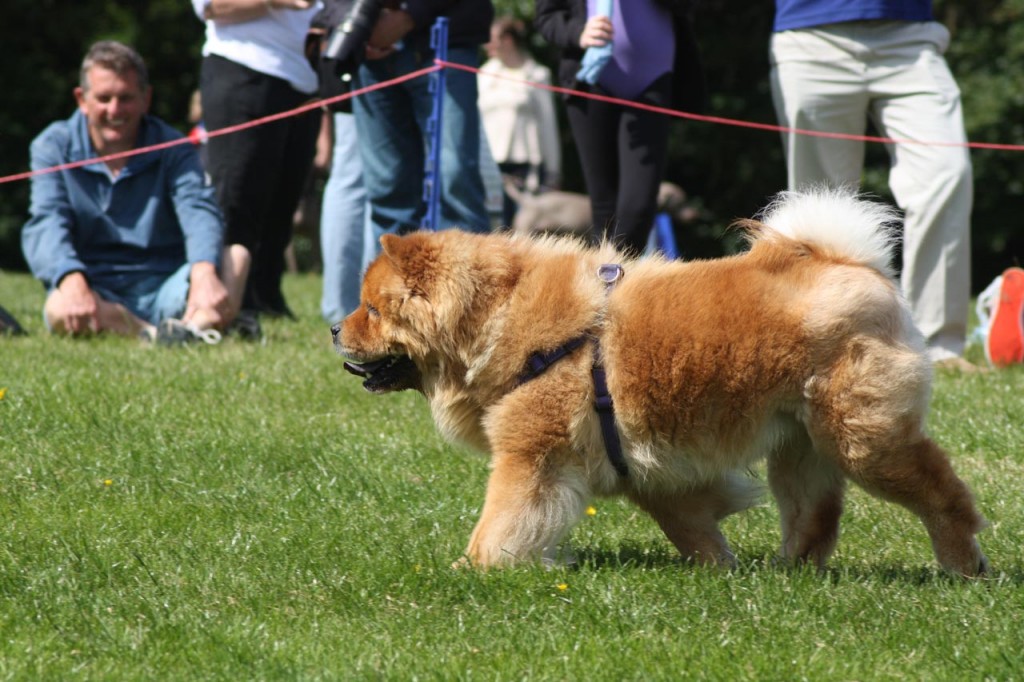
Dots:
{"x": 643, "y": 48}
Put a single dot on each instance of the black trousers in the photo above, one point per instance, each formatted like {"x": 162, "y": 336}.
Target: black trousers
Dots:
{"x": 259, "y": 173}
{"x": 623, "y": 153}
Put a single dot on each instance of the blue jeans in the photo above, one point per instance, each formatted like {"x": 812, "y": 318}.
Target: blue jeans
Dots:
{"x": 392, "y": 126}
{"x": 150, "y": 297}
{"x": 344, "y": 222}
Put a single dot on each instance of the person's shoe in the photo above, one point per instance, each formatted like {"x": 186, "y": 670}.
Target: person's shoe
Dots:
{"x": 173, "y": 332}
{"x": 9, "y": 325}
{"x": 1000, "y": 309}
{"x": 246, "y": 326}
{"x": 272, "y": 304}
{"x": 283, "y": 312}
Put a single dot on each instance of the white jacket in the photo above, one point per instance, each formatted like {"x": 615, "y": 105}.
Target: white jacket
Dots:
{"x": 519, "y": 119}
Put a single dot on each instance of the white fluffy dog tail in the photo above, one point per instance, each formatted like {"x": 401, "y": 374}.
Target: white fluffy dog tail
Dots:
{"x": 838, "y": 221}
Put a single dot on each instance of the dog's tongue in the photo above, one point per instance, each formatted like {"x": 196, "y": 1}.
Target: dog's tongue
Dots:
{"x": 365, "y": 369}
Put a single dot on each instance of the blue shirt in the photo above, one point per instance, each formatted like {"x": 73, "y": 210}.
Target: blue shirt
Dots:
{"x": 791, "y": 14}
{"x": 156, "y": 215}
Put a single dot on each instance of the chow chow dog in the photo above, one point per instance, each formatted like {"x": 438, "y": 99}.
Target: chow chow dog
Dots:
{"x": 800, "y": 351}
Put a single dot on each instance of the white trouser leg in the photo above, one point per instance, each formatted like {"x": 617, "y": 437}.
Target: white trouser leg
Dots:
{"x": 831, "y": 80}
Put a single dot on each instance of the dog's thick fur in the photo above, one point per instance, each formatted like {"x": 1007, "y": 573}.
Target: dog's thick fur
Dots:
{"x": 799, "y": 350}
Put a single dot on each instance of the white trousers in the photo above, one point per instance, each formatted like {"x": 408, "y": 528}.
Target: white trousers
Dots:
{"x": 834, "y": 78}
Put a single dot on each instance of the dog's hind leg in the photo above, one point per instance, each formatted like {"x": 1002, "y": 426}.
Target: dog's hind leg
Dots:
{"x": 918, "y": 476}
{"x": 809, "y": 491}
{"x": 689, "y": 518}
{"x": 525, "y": 517}
{"x": 867, "y": 414}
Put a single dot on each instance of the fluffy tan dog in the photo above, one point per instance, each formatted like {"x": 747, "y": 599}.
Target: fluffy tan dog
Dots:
{"x": 800, "y": 351}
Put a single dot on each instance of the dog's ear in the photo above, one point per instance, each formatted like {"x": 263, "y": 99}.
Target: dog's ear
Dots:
{"x": 413, "y": 255}
{"x": 395, "y": 247}
{"x": 407, "y": 247}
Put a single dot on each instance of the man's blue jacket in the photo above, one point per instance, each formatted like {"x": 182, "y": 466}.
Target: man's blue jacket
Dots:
{"x": 156, "y": 215}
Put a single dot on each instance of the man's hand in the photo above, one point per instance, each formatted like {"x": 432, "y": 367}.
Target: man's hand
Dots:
{"x": 207, "y": 295}
{"x": 80, "y": 303}
{"x": 391, "y": 27}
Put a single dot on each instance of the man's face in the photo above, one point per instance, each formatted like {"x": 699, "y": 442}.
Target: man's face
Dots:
{"x": 114, "y": 105}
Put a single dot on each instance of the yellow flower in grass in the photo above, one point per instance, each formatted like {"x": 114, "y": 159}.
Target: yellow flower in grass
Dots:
{"x": 108, "y": 482}
{"x": 591, "y": 511}
{"x": 3, "y": 392}
{"x": 562, "y": 587}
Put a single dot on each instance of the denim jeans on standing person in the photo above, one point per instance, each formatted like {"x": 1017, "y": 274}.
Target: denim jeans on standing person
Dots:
{"x": 392, "y": 126}
{"x": 344, "y": 222}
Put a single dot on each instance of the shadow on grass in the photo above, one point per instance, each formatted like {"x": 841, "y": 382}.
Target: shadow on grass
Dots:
{"x": 626, "y": 556}
{"x": 1012, "y": 576}
{"x": 636, "y": 556}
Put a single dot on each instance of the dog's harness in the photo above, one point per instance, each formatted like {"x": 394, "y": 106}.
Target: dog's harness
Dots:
{"x": 539, "y": 362}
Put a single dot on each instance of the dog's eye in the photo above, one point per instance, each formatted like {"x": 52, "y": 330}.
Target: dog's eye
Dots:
{"x": 373, "y": 312}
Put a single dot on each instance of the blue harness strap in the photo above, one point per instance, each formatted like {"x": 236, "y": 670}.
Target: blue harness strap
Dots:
{"x": 539, "y": 362}
{"x": 610, "y": 274}
{"x": 606, "y": 415}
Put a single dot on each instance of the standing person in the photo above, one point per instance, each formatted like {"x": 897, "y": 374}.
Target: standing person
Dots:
{"x": 126, "y": 245}
{"x": 837, "y": 64}
{"x": 653, "y": 59}
{"x": 392, "y": 122}
{"x": 344, "y": 219}
{"x": 254, "y": 65}
{"x": 519, "y": 118}
{"x": 344, "y": 215}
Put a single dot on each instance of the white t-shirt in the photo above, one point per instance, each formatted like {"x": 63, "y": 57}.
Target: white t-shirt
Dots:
{"x": 272, "y": 44}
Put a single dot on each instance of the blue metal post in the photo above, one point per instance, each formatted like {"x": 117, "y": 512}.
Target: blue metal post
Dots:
{"x": 665, "y": 237}
{"x": 432, "y": 171}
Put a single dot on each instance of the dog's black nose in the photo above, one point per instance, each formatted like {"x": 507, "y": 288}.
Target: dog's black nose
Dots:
{"x": 335, "y": 330}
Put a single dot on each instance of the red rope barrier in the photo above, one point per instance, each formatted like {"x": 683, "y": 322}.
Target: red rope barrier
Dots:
{"x": 735, "y": 122}
{"x": 440, "y": 64}
{"x": 227, "y": 130}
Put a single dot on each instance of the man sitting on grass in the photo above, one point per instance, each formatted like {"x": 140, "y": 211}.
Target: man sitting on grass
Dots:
{"x": 128, "y": 245}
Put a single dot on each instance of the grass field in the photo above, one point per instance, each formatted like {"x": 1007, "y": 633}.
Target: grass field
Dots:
{"x": 247, "y": 512}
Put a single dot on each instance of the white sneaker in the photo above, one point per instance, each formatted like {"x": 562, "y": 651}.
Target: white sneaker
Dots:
{"x": 1000, "y": 310}
{"x": 174, "y": 332}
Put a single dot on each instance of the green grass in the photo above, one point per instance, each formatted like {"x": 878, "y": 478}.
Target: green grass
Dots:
{"x": 248, "y": 512}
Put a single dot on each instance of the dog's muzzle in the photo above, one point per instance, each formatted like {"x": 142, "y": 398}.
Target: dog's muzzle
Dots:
{"x": 394, "y": 373}
{"x": 391, "y": 373}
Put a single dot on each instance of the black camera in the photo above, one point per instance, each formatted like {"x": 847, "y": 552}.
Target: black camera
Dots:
{"x": 347, "y": 46}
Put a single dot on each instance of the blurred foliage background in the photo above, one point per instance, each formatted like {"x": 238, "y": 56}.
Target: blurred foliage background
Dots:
{"x": 728, "y": 172}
